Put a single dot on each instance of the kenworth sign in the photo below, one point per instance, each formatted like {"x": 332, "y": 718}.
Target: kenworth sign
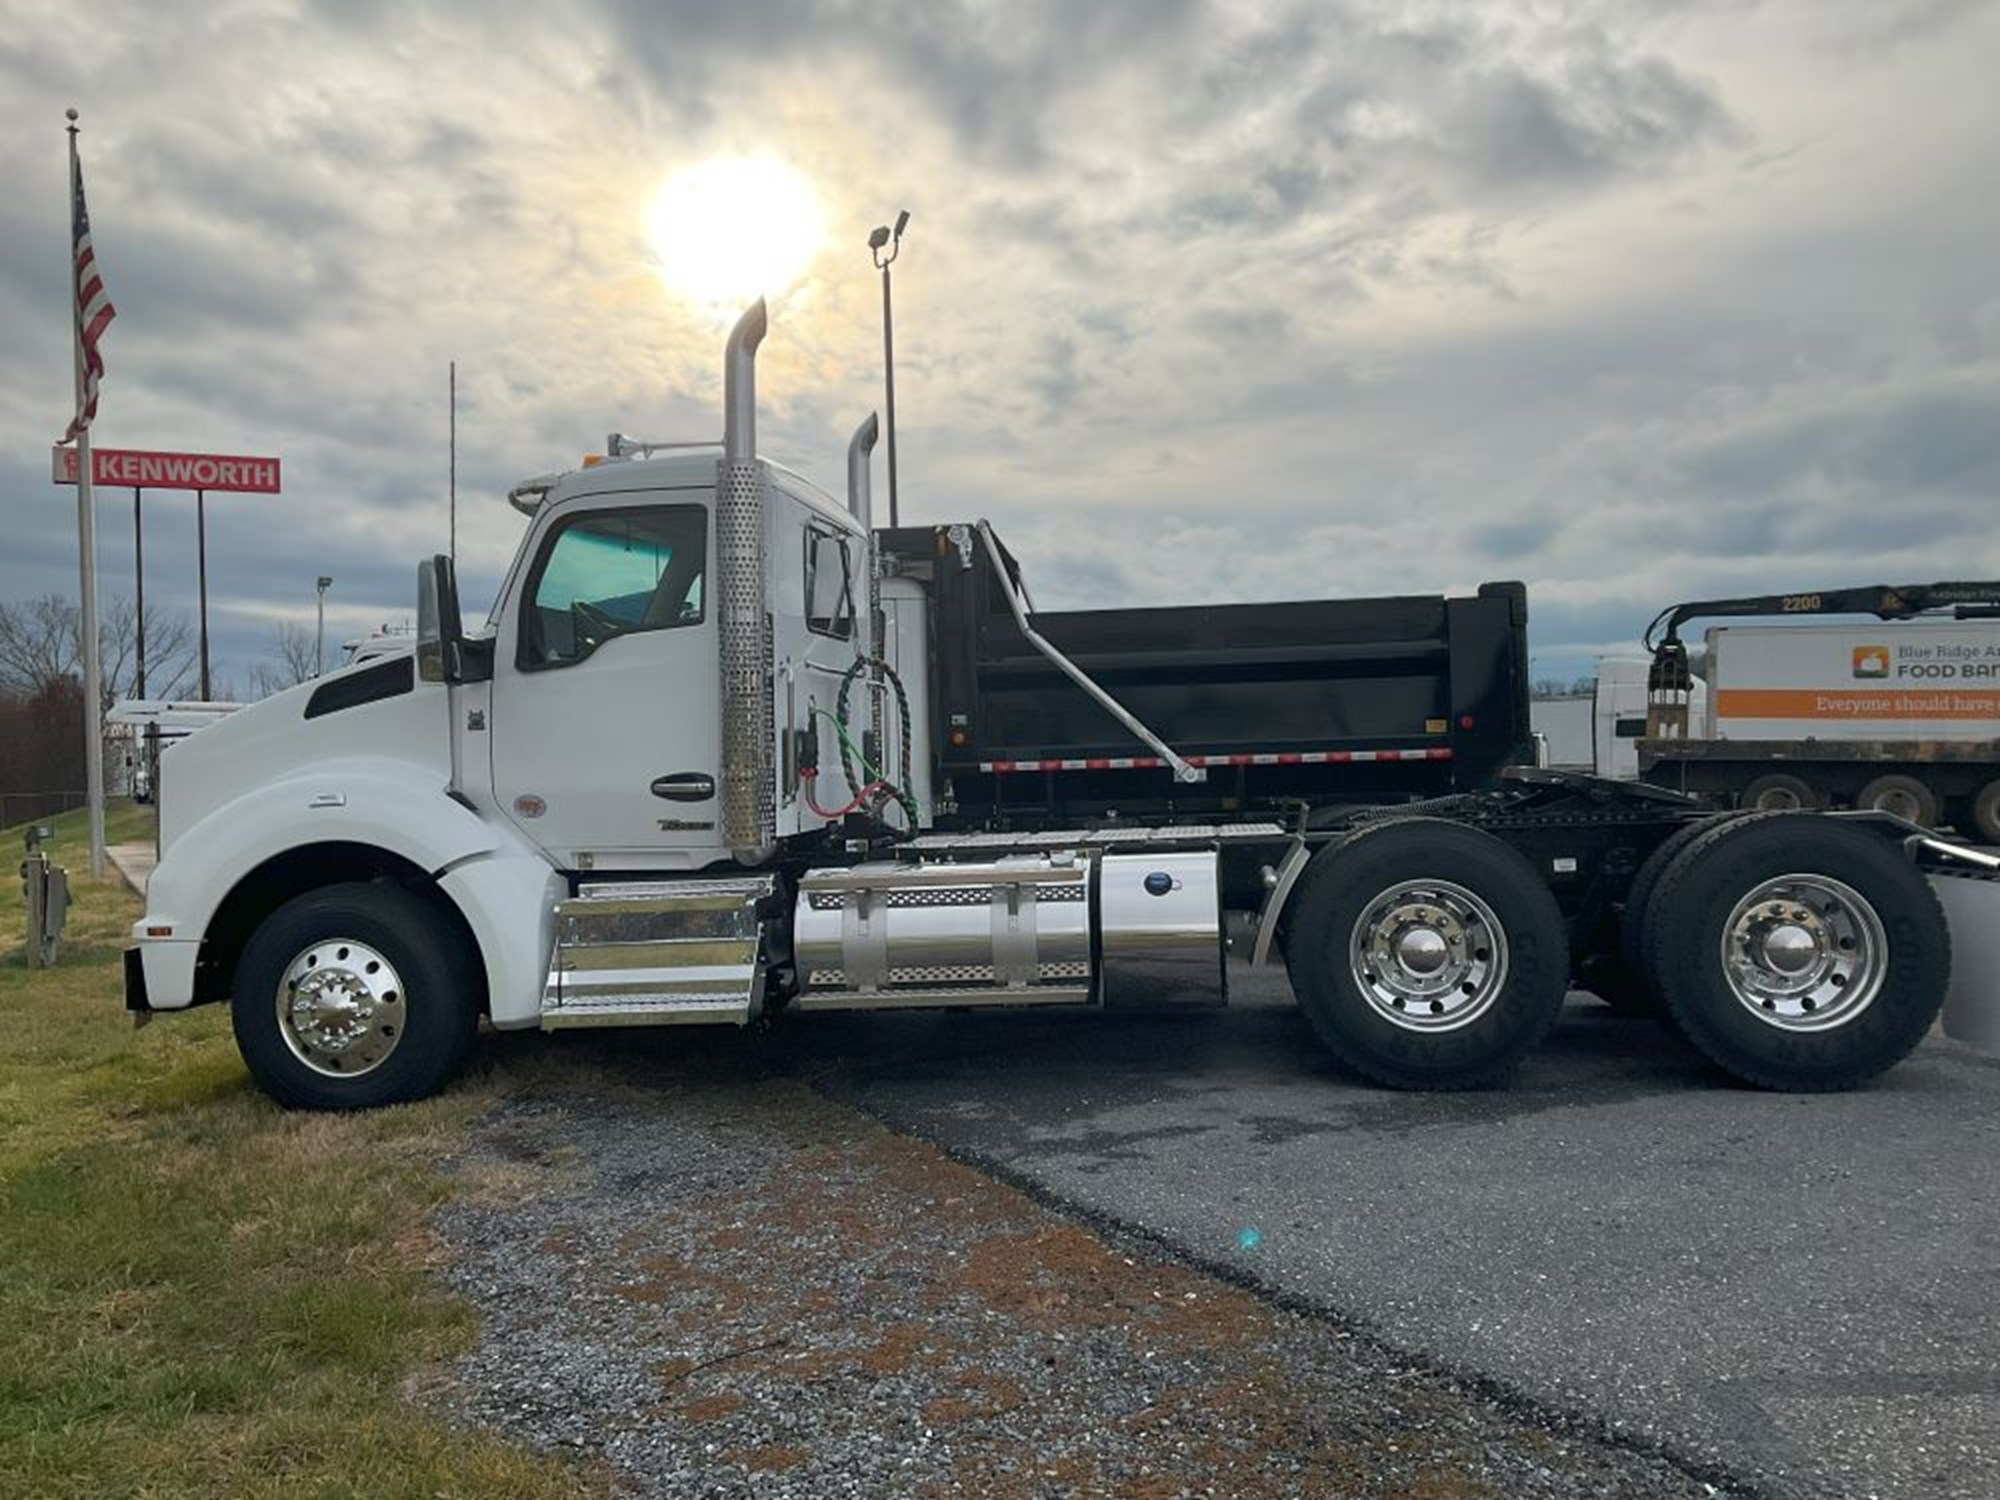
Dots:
{"x": 138, "y": 469}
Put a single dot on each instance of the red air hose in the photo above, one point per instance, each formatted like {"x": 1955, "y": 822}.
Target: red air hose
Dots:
{"x": 860, "y": 798}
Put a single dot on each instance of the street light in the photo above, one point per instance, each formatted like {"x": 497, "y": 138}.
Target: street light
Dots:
{"x": 891, "y": 239}
{"x": 319, "y": 640}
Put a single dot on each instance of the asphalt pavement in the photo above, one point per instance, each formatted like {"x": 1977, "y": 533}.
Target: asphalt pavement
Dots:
{"x": 1801, "y": 1292}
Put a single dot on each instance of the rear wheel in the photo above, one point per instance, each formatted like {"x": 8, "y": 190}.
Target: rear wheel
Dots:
{"x": 1779, "y": 791}
{"x": 1900, "y": 795}
{"x": 1620, "y": 979}
{"x": 1796, "y": 952}
{"x": 354, "y": 996}
{"x": 1985, "y": 813}
{"x": 1426, "y": 954}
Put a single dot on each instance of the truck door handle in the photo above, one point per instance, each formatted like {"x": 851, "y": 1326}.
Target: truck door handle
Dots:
{"x": 685, "y": 786}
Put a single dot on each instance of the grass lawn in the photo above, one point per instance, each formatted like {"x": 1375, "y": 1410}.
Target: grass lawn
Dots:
{"x": 201, "y": 1294}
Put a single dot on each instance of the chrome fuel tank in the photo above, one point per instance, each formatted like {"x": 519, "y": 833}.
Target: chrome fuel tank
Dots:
{"x": 1016, "y": 930}
{"x": 1160, "y": 918}
{"x": 1131, "y": 930}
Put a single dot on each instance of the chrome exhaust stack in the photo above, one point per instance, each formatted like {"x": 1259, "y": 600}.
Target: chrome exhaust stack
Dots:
{"x": 739, "y": 385}
{"x": 861, "y": 502}
{"x": 749, "y": 790}
{"x": 860, "y": 448}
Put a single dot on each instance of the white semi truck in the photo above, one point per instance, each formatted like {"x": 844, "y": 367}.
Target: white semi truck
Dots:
{"x": 613, "y": 805}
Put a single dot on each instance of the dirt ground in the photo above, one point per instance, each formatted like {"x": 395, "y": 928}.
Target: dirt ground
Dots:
{"x": 733, "y": 1285}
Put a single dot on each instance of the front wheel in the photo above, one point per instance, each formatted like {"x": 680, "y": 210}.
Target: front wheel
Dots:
{"x": 1798, "y": 952}
{"x": 354, "y": 996}
{"x": 1426, "y": 955}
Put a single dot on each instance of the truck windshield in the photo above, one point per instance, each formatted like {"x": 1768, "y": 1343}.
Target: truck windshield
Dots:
{"x": 610, "y": 573}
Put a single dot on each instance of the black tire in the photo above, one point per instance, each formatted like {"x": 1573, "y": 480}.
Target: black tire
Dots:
{"x": 1690, "y": 910}
{"x": 1348, "y": 878}
{"x": 437, "y": 995}
{"x": 1620, "y": 980}
{"x": 1984, "y": 813}
{"x": 1780, "y": 791}
{"x": 1618, "y": 977}
{"x": 1904, "y": 796}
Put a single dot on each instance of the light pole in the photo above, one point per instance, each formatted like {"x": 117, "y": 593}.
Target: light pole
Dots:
{"x": 319, "y": 640}
{"x": 883, "y": 237}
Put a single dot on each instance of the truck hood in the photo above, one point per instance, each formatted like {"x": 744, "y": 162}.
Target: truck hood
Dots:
{"x": 374, "y": 711}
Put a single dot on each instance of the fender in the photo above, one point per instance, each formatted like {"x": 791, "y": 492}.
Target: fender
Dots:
{"x": 386, "y": 803}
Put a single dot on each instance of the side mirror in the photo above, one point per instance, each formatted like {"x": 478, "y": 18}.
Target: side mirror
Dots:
{"x": 443, "y": 652}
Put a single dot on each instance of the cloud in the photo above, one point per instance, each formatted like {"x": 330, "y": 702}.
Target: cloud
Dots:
{"x": 1201, "y": 301}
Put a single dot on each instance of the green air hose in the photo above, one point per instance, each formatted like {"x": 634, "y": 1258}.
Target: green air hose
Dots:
{"x": 849, "y": 754}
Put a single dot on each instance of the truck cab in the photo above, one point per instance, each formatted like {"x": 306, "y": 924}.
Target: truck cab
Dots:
{"x": 596, "y": 733}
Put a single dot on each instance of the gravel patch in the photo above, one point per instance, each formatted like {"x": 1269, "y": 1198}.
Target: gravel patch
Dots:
{"x": 729, "y": 1284}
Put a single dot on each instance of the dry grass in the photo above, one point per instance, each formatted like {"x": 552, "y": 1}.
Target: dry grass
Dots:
{"x": 202, "y": 1294}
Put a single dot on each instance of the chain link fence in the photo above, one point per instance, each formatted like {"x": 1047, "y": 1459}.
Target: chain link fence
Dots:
{"x": 26, "y": 807}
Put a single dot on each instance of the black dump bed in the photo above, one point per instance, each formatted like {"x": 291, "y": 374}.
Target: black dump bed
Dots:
{"x": 1326, "y": 700}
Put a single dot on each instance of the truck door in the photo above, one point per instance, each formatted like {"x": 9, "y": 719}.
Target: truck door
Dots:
{"x": 605, "y": 733}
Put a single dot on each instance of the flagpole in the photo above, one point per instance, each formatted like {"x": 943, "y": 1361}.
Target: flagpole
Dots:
{"x": 453, "y": 403}
{"x": 86, "y": 546}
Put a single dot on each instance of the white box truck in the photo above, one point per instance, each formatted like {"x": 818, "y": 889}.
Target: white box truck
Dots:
{"x": 1897, "y": 715}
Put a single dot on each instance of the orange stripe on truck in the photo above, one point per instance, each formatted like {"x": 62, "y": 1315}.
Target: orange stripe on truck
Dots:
{"x": 1857, "y": 703}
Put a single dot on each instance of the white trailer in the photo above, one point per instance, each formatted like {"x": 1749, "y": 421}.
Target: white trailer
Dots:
{"x": 1899, "y": 716}
{"x": 611, "y": 806}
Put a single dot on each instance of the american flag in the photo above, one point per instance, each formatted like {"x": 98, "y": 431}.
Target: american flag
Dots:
{"x": 94, "y": 311}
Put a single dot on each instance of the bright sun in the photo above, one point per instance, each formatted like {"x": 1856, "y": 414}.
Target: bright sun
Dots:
{"x": 733, "y": 228}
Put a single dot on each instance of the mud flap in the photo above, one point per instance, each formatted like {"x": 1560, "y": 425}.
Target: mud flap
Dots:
{"x": 1972, "y": 1005}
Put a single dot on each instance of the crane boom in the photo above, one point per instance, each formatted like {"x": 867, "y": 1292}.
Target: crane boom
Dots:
{"x": 1883, "y": 601}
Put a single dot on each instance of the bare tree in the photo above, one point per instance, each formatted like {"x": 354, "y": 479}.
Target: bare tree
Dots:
{"x": 170, "y": 654}
{"x": 41, "y": 643}
{"x": 293, "y": 652}
{"x": 1563, "y": 687}
{"x": 38, "y": 644}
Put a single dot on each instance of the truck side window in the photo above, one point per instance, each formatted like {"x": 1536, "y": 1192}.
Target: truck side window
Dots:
{"x": 612, "y": 572}
{"x": 1629, "y": 729}
{"x": 829, "y": 584}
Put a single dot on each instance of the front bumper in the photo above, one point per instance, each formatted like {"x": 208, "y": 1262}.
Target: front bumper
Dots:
{"x": 159, "y": 972}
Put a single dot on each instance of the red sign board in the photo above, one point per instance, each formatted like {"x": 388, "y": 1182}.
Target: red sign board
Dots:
{"x": 135, "y": 468}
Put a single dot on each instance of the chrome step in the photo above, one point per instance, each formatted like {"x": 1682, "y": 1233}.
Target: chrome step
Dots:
{"x": 657, "y": 952}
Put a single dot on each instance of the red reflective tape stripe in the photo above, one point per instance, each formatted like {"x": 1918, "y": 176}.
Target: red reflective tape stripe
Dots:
{"x": 1231, "y": 758}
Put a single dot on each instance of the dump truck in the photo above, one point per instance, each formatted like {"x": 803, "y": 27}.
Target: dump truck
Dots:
{"x": 725, "y": 753}
{"x": 1901, "y": 715}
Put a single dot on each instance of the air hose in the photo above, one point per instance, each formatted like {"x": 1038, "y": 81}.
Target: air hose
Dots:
{"x": 849, "y": 754}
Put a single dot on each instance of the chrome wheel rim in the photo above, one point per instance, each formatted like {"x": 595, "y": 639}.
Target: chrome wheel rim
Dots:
{"x": 341, "y": 1007}
{"x": 1804, "y": 953}
{"x": 1428, "y": 955}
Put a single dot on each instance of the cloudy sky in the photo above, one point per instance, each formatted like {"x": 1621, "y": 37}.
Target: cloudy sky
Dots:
{"x": 1635, "y": 300}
